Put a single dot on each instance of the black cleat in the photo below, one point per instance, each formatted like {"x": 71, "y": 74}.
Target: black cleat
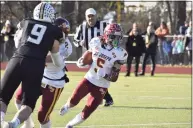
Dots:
{"x": 109, "y": 103}
{"x": 127, "y": 74}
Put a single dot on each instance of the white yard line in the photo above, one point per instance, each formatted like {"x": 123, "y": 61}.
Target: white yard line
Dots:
{"x": 127, "y": 125}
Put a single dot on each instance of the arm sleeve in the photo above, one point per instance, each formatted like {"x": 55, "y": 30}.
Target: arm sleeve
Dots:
{"x": 57, "y": 60}
{"x": 17, "y": 38}
{"x": 78, "y": 36}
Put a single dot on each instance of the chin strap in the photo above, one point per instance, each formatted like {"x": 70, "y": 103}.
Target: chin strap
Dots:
{"x": 108, "y": 46}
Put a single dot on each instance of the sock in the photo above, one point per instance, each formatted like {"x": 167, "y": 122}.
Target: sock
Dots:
{"x": 18, "y": 106}
{"x": 2, "y": 116}
{"x": 64, "y": 109}
{"x": 47, "y": 125}
{"x": 77, "y": 120}
{"x": 67, "y": 105}
{"x": 15, "y": 122}
{"x": 29, "y": 122}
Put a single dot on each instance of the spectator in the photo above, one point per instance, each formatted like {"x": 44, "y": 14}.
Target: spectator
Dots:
{"x": 7, "y": 32}
{"x": 188, "y": 43}
{"x": 167, "y": 49}
{"x": 183, "y": 28}
{"x": 180, "y": 48}
{"x": 2, "y": 54}
{"x": 151, "y": 41}
{"x": 86, "y": 31}
{"x": 174, "y": 50}
{"x": 161, "y": 32}
{"x": 135, "y": 26}
{"x": 135, "y": 46}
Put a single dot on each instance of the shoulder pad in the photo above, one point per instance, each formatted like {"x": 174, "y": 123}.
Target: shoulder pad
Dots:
{"x": 94, "y": 42}
{"x": 121, "y": 55}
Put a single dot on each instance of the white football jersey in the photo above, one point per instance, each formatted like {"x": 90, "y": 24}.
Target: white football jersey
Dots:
{"x": 53, "y": 72}
{"x": 17, "y": 37}
{"x": 103, "y": 58}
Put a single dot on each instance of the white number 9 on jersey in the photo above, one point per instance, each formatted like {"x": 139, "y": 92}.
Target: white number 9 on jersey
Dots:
{"x": 39, "y": 31}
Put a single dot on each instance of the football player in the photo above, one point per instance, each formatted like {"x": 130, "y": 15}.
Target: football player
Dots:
{"x": 26, "y": 66}
{"x": 107, "y": 58}
{"x": 53, "y": 82}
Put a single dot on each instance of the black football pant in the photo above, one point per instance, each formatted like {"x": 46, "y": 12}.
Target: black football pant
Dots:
{"x": 29, "y": 73}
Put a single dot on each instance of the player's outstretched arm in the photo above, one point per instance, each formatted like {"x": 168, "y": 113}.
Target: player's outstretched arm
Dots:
{"x": 55, "y": 55}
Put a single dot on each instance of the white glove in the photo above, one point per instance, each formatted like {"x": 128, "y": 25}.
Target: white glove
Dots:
{"x": 101, "y": 72}
{"x": 82, "y": 43}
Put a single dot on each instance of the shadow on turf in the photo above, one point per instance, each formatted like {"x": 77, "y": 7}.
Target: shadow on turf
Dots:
{"x": 137, "y": 107}
{"x": 173, "y": 76}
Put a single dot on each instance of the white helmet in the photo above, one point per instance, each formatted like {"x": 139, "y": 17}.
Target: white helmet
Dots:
{"x": 44, "y": 12}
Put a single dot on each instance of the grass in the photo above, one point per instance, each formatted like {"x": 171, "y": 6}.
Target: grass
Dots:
{"x": 162, "y": 101}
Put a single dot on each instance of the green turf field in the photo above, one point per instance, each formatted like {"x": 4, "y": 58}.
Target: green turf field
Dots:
{"x": 162, "y": 101}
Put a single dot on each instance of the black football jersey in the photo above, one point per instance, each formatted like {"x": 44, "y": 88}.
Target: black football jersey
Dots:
{"x": 37, "y": 39}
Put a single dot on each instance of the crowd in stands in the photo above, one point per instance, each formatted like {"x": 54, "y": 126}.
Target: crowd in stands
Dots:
{"x": 175, "y": 50}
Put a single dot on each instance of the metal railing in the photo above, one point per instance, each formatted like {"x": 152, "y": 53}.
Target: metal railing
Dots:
{"x": 77, "y": 52}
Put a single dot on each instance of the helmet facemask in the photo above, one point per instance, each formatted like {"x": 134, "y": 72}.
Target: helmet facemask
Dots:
{"x": 113, "y": 35}
{"x": 114, "y": 40}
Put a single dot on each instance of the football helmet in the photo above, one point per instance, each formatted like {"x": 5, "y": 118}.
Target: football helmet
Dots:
{"x": 44, "y": 12}
{"x": 63, "y": 24}
{"x": 113, "y": 34}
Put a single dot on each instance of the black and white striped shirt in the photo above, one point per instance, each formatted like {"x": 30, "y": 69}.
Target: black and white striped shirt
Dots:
{"x": 85, "y": 32}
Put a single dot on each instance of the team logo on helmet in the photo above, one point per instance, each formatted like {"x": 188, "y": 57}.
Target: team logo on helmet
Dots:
{"x": 113, "y": 34}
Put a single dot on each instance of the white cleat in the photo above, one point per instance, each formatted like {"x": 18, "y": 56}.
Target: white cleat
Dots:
{"x": 63, "y": 110}
{"x": 5, "y": 124}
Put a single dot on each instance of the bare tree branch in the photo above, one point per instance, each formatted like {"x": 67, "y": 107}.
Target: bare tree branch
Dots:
{"x": 10, "y": 9}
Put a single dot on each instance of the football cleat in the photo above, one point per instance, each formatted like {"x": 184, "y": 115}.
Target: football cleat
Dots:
{"x": 63, "y": 110}
{"x": 109, "y": 103}
{"x": 5, "y": 124}
{"x": 68, "y": 126}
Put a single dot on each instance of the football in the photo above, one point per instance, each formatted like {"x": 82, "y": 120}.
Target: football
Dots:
{"x": 87, "y": 58}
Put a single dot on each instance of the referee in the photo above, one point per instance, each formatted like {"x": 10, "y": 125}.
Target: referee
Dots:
{"x": 86, "y": 31}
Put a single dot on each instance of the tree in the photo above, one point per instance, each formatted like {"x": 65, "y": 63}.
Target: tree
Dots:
{"x": 17, "y": 10}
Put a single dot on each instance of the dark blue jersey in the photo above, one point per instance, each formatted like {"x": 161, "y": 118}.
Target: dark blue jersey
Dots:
{"x": 37, "y": 39}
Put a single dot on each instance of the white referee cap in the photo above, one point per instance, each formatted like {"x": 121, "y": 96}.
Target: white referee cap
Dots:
{"x": 90, "y": 11}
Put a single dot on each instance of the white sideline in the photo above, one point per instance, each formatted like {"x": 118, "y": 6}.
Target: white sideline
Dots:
{"x": 126, "y": 125}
